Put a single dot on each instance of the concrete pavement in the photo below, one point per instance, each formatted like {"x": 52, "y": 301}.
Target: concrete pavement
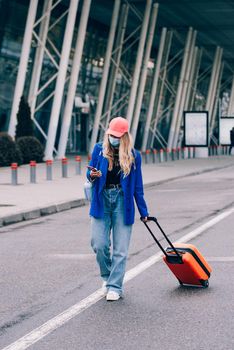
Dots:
{"x": 27, "y": 201}
{"x": 51, "y": 266}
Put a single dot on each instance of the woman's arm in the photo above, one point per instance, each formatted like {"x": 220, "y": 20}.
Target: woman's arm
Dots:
{"x": 139, "y": 190}
{"x": 91, "y": 174}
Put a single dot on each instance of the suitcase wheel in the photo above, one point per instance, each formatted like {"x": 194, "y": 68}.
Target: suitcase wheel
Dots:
{"x": 205, "y": 283}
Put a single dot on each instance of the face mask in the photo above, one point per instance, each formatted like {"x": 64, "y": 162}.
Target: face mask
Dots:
{"x": 114, "y": 142}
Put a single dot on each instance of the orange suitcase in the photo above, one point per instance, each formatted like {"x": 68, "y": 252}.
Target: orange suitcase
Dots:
{"x": 184, "y": 260}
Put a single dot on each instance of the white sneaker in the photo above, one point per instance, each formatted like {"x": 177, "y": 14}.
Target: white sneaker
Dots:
{"x": 112, "y": 296}
{"x": 104, "y": 289}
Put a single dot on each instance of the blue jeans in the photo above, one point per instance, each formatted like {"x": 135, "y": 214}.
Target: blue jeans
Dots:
{"x": 112, "y": 268}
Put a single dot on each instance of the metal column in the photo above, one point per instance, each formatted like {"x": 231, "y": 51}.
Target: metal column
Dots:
{"x": 136, "y": 75}
{"x": 106, "y": 67}
{"x": 196, "y": 74}
{"x": 214, "y": 90}
{"x": 231, "y": 101}
{"x": 59, "y": 88}
{"x": 22, "y": 70}
{"x": 191, "y": 78}
{"x": 67, "y": 115}
{"x": 143, "y": 77}
{"x": 161, "y": 87}
{"x": 202, "y": 152}
{"x": 216, "y": 97}
{"x": 154, "y": 89}
{"x": 184, "y": 89}
{"x": 38, "y": 61}
{"x": 179, "y": 89}
{"x": 116, "y": 62}
{"x": 212, "y": 79}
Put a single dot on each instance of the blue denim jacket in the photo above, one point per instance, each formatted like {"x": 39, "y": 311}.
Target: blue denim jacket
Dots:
{"x": 132, "y": 186}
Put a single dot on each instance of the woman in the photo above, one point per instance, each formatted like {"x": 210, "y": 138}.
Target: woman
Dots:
{"x": 117, "y": 180}
{"x": 231, "y": 140}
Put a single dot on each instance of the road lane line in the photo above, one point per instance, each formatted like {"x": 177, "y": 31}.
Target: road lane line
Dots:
{"x": 220, "y": 259}
{"x": 59, "y": 320}
{"x": 206, "y": 226}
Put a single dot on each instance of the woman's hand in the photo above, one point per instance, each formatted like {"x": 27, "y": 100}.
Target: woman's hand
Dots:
{"x": 95, "y": 173}
{"x": 145, "y": 219}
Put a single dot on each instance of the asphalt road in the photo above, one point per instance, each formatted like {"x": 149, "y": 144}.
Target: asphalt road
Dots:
{"x": 47, "y": 266}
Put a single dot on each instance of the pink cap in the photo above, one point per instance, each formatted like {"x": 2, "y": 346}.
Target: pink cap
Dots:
{"x": 118, "y": 127}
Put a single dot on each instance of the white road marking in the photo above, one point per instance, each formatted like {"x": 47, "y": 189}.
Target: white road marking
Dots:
{"x": 173, "y": 190}
{"x": 59, "y": 320}
{"x": 220, "y": 258}
{"x": 72, "y": 256}
{"x": 206, "y": 226}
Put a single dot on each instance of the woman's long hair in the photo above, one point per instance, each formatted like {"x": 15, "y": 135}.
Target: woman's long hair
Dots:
{"x": 126, "y": 158}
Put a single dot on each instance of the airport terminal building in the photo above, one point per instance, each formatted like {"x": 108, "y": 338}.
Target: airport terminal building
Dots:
{"x": 80, "y": 63}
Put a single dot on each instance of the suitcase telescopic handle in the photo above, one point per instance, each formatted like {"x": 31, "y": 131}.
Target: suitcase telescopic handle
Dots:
{"x": 152, "y": 218}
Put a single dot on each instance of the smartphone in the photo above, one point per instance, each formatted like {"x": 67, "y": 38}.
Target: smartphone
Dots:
{"x": 91, "y": 168}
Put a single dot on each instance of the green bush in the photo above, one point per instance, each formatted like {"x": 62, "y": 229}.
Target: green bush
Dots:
{"x": 31, "y": 149}
{"x": 9, "y": 151}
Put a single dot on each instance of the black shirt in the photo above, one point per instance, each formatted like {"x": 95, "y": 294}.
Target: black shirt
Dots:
{"x": 113, "y": 176}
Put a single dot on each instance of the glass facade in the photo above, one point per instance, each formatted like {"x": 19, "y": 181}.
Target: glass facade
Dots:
{"x": 13, "y": 15}
{"x": 11, "y": 36}
{"x": 12, "y": 32}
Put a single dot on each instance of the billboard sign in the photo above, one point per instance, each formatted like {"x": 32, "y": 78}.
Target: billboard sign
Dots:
{"x": 196, "y": 127}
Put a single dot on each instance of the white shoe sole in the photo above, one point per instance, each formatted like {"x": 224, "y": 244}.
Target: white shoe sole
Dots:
{"x": 112, "y": 296}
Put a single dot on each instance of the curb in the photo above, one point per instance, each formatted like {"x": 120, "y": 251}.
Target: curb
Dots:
{"x": 36, "y": 213}
{"x": 152, "y": 184}
{"x": 62, "y": 206}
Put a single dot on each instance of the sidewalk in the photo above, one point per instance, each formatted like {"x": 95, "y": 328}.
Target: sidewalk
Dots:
{"x": 28, "y": 201}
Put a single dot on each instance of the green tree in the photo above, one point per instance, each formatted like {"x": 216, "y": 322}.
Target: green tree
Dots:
{"x": 24, "y": 125}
